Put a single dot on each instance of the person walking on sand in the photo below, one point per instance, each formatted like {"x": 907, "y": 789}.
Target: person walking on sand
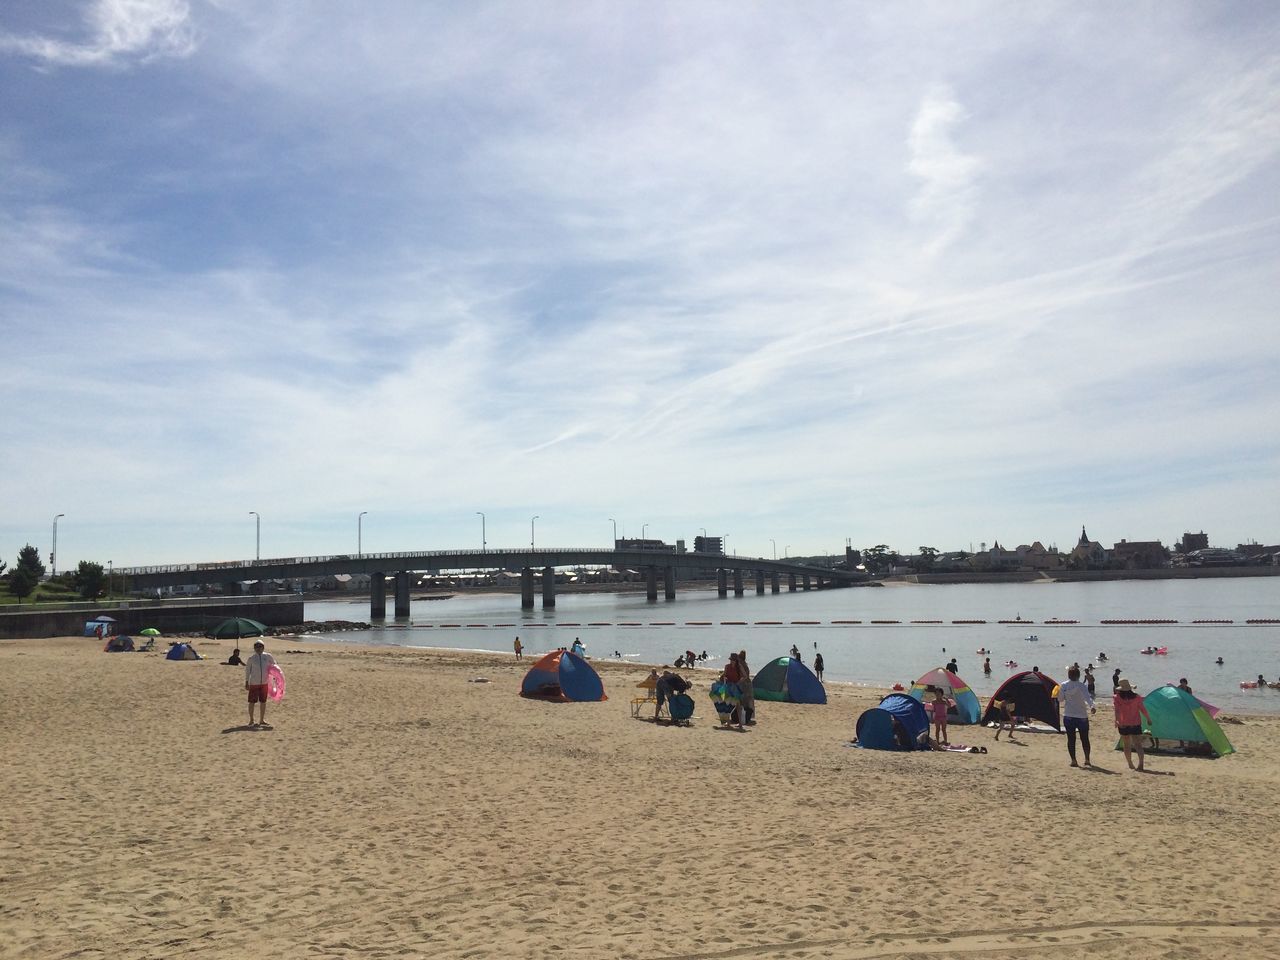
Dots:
{"x": 255, "y": 681}
{"x": 818, "y": 666}
{"x": 1077, "y": 706}
{"x": 1004, "y": 714}
{"x": 939, "y": 708}
{"x": 519, "y": 648}
{"x": 1130, "y": 710}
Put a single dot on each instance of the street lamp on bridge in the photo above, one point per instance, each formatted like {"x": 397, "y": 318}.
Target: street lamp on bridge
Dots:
{"x": 775, "y": 547}
{"x": 484, "y": 543}
{"x": 53, "y": 555}
{"x": 615, "y": 531}
{"x": 786, "y": 551}
{"x": 360, "y": 534}
{"x": 643, "y": 528}
{"x": 257, "y": 534}
{"x": 532, "y": 531}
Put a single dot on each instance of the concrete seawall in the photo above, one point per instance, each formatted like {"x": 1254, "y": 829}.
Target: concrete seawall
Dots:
{"x": 167, "y": 616}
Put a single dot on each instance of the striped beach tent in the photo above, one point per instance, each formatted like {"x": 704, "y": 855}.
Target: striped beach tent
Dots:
{"x": 964, "y": 707}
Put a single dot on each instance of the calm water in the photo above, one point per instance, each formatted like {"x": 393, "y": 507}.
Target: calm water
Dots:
{"x": 883, "y": 654}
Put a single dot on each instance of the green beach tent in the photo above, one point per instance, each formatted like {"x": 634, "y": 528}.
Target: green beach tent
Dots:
{"x": 1177, "y": 715}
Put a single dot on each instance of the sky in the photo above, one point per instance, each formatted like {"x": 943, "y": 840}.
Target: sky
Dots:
{"x": 795, "y": 274}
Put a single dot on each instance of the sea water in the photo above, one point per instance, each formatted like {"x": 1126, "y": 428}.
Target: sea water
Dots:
{"x": 628, "y": 626}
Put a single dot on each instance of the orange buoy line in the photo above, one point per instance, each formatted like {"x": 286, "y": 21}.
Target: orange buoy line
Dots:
{"x": 733, "y": 623}
{"x": 846, "y": 621}
{"x": 968, "y": 621}
{"x": 885, "y": 621}
{"x": 806, "y": 623}
{"x": 1262, "y": 621}
{"x": 926, "y": 621}
{"x": 768, "y": 623}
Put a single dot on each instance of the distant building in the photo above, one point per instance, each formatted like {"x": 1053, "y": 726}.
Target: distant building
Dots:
{"x": 1193, "y": 541}
{"x": 709, "y": 545}
{"x": 1035, "y": 557}
{"x": 1139, "y": 555}
{"x": 1088, "y": 554}
{"x": 995, "y": 559}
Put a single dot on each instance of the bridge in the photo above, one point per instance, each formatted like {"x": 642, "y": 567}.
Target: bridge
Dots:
{"x": 398, "y": 567}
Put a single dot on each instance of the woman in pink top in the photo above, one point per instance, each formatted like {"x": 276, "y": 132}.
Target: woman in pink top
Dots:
{"x": 1129, "y": 713}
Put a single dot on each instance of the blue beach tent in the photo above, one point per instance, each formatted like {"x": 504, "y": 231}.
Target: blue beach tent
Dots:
{"x": 787, "y": 679}
{"x": 182, "y": 651}
{"x": 562, "y": 675}
{"x": 876, "y": 730}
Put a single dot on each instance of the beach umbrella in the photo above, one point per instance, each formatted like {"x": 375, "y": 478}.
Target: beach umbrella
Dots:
{"x": 103, "y": 619}
{"x": 237, "y": 627}
{"x": 149, "y": 632}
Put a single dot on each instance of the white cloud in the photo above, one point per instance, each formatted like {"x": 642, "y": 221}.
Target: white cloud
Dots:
{"x": 947, "y": 195}
{"x": 117, "y": 31}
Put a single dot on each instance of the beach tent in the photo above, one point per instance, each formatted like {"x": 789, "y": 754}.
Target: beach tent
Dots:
{"x": 562, "y": 675}
{"x": 237, "y": 627}
{"x": 1177, "y": 715}
{"x": 964, "y": 707}
{"x": 104, "y": 623}
{"x": 788, "y": 680}
{"x": 876, "y": 729}
{"x": 118, "y": 645}
{"x": 1032, "y": 695}
{"x": 182, "y": 651}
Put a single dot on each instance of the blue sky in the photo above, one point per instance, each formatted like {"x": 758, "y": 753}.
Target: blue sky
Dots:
{"x": 920, "y": 274}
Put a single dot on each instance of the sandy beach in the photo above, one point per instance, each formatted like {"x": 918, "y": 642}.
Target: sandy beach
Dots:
{"x": 398, "y": 809}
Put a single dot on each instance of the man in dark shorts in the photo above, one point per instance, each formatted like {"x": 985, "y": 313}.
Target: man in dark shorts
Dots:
{"x": 255, "y": 681}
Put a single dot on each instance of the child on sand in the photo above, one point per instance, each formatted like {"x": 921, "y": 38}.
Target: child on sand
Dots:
{"x": 939, "y": 706}
{"x": 1004, "y": 714}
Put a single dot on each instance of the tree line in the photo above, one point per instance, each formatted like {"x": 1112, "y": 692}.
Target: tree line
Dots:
{"x": 28, "y": 571}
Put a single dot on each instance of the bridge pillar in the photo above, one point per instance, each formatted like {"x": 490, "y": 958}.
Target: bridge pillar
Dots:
{"x": 722, "y": 582}
{"x": 737, "y": 582}
{"x": 651, "y": 583}
{"x": 548, "y": 588}
{"x": 805, "y": 580}
{"x": 821, "y": 583}
{"x": 526, "y": 589}
{"x": 402, "y": 595}
{"x": 759, "y": 581}
{"x": 791, "y": 583}
{"x": 669, "y": 582}
{"x": 774, "y": 582}
{"x": 377, "y": 596}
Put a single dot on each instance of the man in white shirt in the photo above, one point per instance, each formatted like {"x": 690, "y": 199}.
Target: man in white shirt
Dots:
{"x": 1077, "y": 706}
{"x": 255, "y": 681}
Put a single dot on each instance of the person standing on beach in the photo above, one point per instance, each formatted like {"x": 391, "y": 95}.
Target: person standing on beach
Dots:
{"x": 519, "y": 648}
{"x": 1077, "y": 706}
{"x": 939, "y": 710}
{"x": 1129, "y": 713}
{"x": 818, "y": 666}
{"x": 255, "y": 681}
{"x": 747, "y": 686}
{"x": 733, "y": 684}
